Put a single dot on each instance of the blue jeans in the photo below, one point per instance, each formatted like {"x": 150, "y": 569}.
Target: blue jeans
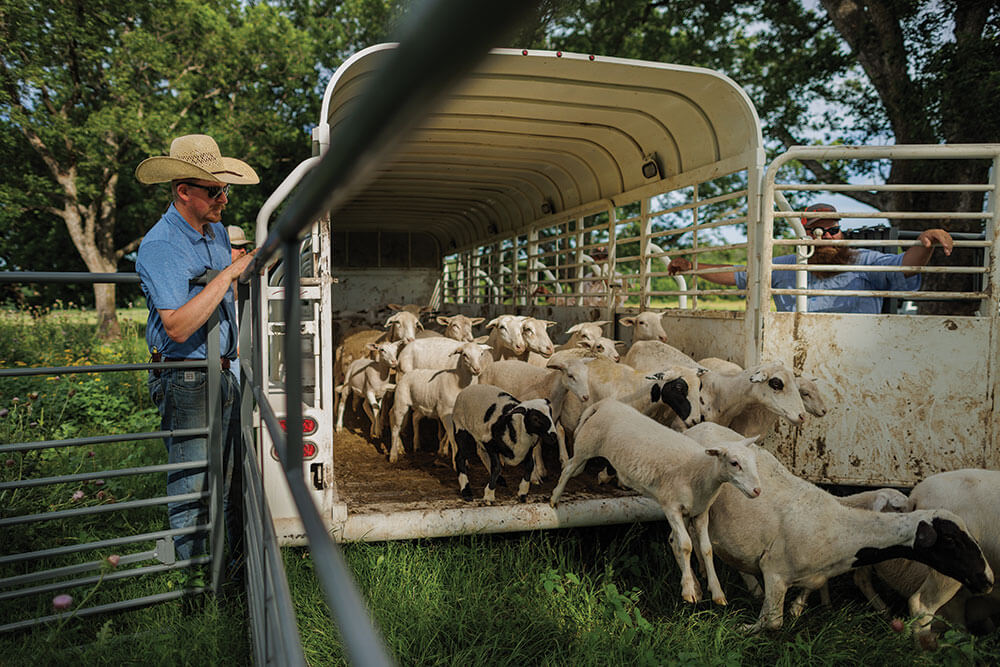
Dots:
{"x": 181, "y": 396}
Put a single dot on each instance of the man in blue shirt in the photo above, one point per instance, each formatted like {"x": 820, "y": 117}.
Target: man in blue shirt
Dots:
{"x": 829, "y": 228}
{"x": 188, "y": 240}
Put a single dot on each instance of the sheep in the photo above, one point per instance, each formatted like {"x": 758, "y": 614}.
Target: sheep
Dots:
{"x": 757, "y": 421}
{"x": 505, "y": 337}
{"x": 875, "y": 500}
{"x": 796, "y": 534}
{"x": 770, "y": 385}
{"x": 648, "y": 355}
{"x": 538, "y": 345}
{"x": 675, "y": 387}
{"x": 526, "y": 381}
{"x": 974, "y": 495}
{"x": 584, "y": 331}
{"x": 648, "y": 326}
{"x": 677, "y": 472}
{"x": 501, "y": 430}
{"x": 456, "y": 327}
{"x": 599, "y": 347}
{"x": 370, "y": 379}
{"x": 402, "y": 326}
{"x": 431, "y": 393}
{"x": 436, "y": 353}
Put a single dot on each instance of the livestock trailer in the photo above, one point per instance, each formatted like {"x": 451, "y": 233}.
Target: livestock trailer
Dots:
{"x": 559, "y": 185}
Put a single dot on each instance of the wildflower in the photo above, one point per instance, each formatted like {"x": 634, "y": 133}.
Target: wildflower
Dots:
{"x": 4, "y": 412}
{"x": 62, "y": 602}
{"x": 9, "y": 463}
{"x": 33, "y": 395}
{"x": 77, "y": 495}
{"x": 113, "y": 560}
{"x": 15, "y": 400}
{"x": 98, "y": 482}
{"x": 90, "y": 454}
{"x": 100, "y": 495}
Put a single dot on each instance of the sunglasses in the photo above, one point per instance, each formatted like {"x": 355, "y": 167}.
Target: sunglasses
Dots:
{"x": 832, "y": 231}
{"x": 213, "y": 191}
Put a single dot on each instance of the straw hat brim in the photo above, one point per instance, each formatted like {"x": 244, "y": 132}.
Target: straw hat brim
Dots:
{"x": 163, "y": 169}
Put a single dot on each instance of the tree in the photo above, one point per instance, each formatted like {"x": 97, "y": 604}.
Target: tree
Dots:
{"x": 881, "y": 71}
{"x": 93, "y": 87}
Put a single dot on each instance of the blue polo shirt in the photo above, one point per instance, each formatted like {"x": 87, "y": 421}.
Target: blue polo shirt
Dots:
{"x": 848, "y": 280}
{"x": 171, "y": 256}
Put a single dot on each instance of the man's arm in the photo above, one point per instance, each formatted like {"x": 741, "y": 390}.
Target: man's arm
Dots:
{"x": 919, "y": 255}
{"x": 679, "y": 264}
{"x": 184, "y": 321}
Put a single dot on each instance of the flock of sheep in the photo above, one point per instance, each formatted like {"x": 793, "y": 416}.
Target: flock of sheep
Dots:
{"x": 684, "y": 433}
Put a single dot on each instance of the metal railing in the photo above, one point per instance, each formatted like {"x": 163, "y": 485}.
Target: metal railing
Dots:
{"x": 77, "y": 575}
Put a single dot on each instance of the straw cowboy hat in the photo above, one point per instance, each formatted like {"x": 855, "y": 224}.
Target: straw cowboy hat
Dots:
{"x": 237, "y": 238}
{"x": 195, "y": 156}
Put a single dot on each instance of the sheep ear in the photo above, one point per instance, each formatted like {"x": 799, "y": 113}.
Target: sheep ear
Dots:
{"x": 443, "y": 320}
{"x": 394, "y": 306}
{"x": 492, "y": 323}
{"x": 548, "y": 323}
{"x": 716, "y": 452}
{"x": 485, "y": 348}
{"x": 880, "y": 503}
{"x": 627, "y": 321}
{"x": 659, "y": 375}
{"x": 601, "y": 323}
{"x": 926, "y": 536}
{"x": 557, "y": 365}
{"x": 584, "y": 344}
{"x": 759, "y": 376}
{"x": 751, "y": 442}
{"x": 371, "y": 346}
{"x": 702, "y": 371}
{"x": 477, "y": 320}
{"x": 425, "y": 309}
{"x": 419, "y": 325}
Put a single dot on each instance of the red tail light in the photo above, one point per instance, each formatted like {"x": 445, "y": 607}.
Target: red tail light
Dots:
{"x": 309, "y": 425}
{"x": 309, "y": 451}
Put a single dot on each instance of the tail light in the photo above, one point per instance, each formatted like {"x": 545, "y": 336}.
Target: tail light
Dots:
{"x": 309, "y": 451}
{"x": 309, "y": 425}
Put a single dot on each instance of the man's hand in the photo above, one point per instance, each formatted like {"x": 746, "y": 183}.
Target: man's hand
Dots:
{"x": 678, "y": 265}
{"x": 929, "y": 237}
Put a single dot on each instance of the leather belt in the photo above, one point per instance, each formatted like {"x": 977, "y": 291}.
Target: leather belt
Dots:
{"x": 223, "y": 361}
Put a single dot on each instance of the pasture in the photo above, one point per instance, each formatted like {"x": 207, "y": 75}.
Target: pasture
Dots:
{"x": 603, "y": 596}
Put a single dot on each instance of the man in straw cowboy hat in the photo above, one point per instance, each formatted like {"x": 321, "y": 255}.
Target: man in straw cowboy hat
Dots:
{"x": 187, "y": 241}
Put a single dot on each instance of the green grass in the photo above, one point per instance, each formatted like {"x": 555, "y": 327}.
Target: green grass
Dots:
{"x": 600, "y": 596}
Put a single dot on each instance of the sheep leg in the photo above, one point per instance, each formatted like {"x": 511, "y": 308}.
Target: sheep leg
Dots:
{"x": 371, "y": 409}
{"x": 706, "y": 557}
{"x": 773, "y": 608}
{"x": 753, "y": 586}
{"x": 569, "y": 471}
{"x": 489, "y": 494}
{"x": 526, "y": 477}
{"x": 680, "y": 543}
{"x": 563, "y": 452}
{"x": 444, "y": 427}
{"x": 863, "y": 580}
{"x": 936, "y": 590}
{"x": 395, "y": 420}
{"x": 465, "y": 444}
{"x": 342, "y": 392}
{"x": 415, "y": 421}
{"x": 798, "y": 605}
{"x": 539, "y": 472}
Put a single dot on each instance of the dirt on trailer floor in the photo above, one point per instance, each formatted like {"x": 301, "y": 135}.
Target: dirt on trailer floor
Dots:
{"x": 368, "y": 483}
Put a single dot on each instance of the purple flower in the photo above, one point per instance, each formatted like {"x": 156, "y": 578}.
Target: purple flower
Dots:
{"x": 62, "y": 602}
{"x": 9, "y": 462}
{"x": 113, "y": 559}
{"x": 77, "y": 495}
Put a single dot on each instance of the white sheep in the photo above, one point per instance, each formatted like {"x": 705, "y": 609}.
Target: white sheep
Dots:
{"x": 974, "y": 495}
{"x": 434, "y": 353}
{"x": 538, "y": 345}
{"x": 502, "y": 430}
{"x": 402, "y": 326}
{"x": 431, "y": 393}
{"x": 456, "y": 327}
{"x": 770, "y": 385}
{"x": 681, "y": 475}
{"x": 649, "y": 355}
{"x": 648, "y": 326}
{"x": 598, "y": 347}
{"x": 505, "y": 337}
{"x": 756, "y": 420}
{"x": 583, "y": 331}
{"x": 370, "y": 379}
{"x": 797, "y": 535}
{"x": 650, "y": 393}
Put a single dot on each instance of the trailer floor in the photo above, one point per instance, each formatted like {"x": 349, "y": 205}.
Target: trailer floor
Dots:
{"x": 368, "y": 483}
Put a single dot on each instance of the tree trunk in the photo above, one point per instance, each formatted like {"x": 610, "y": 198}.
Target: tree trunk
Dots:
{"x": 107, "y": 318}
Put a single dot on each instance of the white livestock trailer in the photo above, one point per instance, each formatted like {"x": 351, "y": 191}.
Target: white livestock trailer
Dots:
{"x": 555, "y": 185}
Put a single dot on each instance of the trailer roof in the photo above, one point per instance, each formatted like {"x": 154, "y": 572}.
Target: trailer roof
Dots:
{"x": 533, "y": 133}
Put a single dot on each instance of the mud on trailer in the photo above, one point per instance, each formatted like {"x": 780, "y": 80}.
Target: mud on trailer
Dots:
{"x": 558, "y": 185}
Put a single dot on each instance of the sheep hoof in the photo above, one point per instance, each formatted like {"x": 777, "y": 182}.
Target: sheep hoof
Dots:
{"x": 689, "y": 598}
{"x": 467, "y": 493}
{"x": 523, "y": 499}
{"x": 721, "y": 600}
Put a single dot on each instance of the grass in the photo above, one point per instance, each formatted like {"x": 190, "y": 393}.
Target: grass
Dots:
{"x": 599, "y": 596}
